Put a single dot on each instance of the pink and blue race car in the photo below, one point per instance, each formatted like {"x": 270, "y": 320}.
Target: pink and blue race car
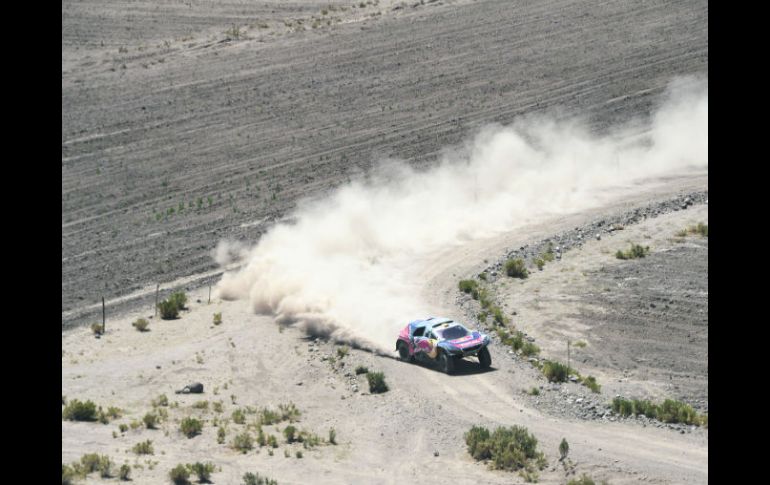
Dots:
{"x": 443, "y": 341}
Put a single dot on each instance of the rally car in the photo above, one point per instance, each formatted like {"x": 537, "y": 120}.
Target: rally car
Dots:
{"x": 443, "y": 341}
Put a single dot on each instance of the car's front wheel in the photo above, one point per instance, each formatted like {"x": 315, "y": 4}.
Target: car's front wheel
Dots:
{"x": 485, "y": 360}
{"x": 403, "y": 352}
{"x": 446, "y": 362}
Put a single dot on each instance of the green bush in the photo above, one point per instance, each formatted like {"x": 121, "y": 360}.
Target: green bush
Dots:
{"x": 343, "y": 351}
{"x": 534, "y": 391}
{"x": 191, "y": 427}
{"x": 498, "y": 316}
{"x": 548, "y": 255}
{"x": 179, "y": 299}
{"x": 68, "y": 475}
{"x": 540, "y": 263}
{"x": 583, "y": 480}
{"x": 563, "y": 448}
{"x": 289, "y": 432}
{"x": 179, "y": 475}
{"x": 511, "y": 448}
{"x": 268, "y": 417}
{"x": 162, "y": 400}
{"x": 467, "y": 286}
{"x": 143, "y": 448}
{"x": 361, "y": 370}
{"x": 635, "y": 252}
{"x": 80, "y": 411}
{"x": 243, "y": 442}
{"x": 218, "y": 318}
{"x": 93, "y": 462}
{"x": 515, "y": 268}
{"x": 125, "y": 473}
{"x": 255, "y": 479}
{"x": 376, "y": 382}
{"x": 528, "y": 349}
{"x": 141, "y": 324}
{"x": 590, "y": 382}
{"x": 238, "y": 416}
{"x": 556, "y": 371}
{"x": 97, "y": 328}
{"x": 168, "y": 310}
{"x": 151, "y": 420}
{"x": 289, "y": 412}
{"x": 272, "y": 441}
{"x": 670, "y": 411}
{"x": 202, "y": 470}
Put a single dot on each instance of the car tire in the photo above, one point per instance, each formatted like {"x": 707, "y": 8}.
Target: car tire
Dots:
{"x": 485, "y": 360}
{"x": 447, "y": 363}
{"x": 403, "y": 352}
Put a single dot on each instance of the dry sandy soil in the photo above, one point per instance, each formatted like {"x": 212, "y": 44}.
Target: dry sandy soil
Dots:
{"x": 389, "y": 438}
{"x": 165, "y": 107}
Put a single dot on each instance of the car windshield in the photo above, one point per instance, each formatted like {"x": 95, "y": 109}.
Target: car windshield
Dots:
{"x": 453, "y": 332}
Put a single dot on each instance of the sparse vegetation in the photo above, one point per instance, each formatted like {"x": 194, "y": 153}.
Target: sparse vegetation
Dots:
{"x": 343, "y": 351}
{"x": 556, "y": 371}
{"x": 290, "y": 433}
{"x": 635, "y": 252}
{"x": 191, "y": 427}
{"x": 540, "y": 263}
{"x": 255, "y": 479}
{"x": 97, "y": 328}
{"x": 141, "y": 324}
{"x": 584, "y": 480}
{"x": 239, "y": 417}
{"x": 670, "y": 411}
{"x": 700, "y": 228}
{"x": 511, "y": 448}
{"x": 124, "y": 473}
{"x": 590, "y": 382}
{"x": 332, "y": 436}
{"x": 161, "y": 400}
{"x": 467, "y": 286}
{"x": 201, "y": 405}
{"x": 243, "y": 442}
{"x": 168, "y": 310}
{"x": 143, "y": 448}
{"x": 515, "y": 268}
{"x": 376, "y": 382}
{"x": 361, "y": 370}
{"x": 218, "y": 318}
{"x": 221, "y": 433}
{"x": 80, "y": 411}
{"x": 534, "y": 391}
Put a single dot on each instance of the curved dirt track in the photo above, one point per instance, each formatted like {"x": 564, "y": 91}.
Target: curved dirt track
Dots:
{"x": 388, "y": 438}
{"x": 162, "y": 110}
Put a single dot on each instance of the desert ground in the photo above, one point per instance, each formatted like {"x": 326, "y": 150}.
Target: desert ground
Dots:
{"x": 188, "y": 123}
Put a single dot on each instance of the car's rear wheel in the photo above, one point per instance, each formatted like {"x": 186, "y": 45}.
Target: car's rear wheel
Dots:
{"x": 446, "y": 362}
{"x": 403, "y": 352}
{"x": 485, "y": 360}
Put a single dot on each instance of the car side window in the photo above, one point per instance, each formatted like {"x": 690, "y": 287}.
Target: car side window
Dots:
{"x": 418, "y": 332}
{"x": 431, "y": 335}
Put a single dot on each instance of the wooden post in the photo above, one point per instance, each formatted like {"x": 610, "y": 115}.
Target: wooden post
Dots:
{"x": 104, "y": 319}
{"x": 209, "y": 293}
{"x": 157, "y": 289}
{"x": 568, "y": 366}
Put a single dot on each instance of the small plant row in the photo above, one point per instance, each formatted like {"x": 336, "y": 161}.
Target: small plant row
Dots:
{"x": 636, "y": 251}
{"x": 77, "y": 410}
{"x": 670, "y": 411}
{"x": 89, "y": 463}
{"x": 700, "y": 228}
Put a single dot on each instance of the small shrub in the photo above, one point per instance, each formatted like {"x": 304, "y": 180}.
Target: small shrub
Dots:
{"x": 268, "y": 417}
{"x": 191, "y": 427}
{"x": 332, "y": 436}
{"x": 376, "y": 382}
{"x": 243, "y": 442}
{"x": 221, "y": 435}
{"x": 179, "y": 299}
{"x": 563, "y": 448}
{"x": 272, "y": 441}
{"x": 218, "y": 318}
{"x": 590, "y": 382}
{"x": 467, "y": 286}
{"x": 201, "y": 405}
{"x": 68, "y": 475}
{"x": 583, "y": 480}
{"x": 289, "y": 432}
{"x": 548, "y": 255}
{"x": 162, "y": 400}
{"x": 556, "y": 371}
{"x": 528, "y": 348}
{"x": 289, "y": 412}
{"x": 515, "y": 268}
{"x": 498, "y": 315}
{"x": 299, "y": 453}
{"x": 80, "y": 411}
{"x": 123, "y": 428}
{"x": 635, "y": 252}
{"x": 143, "y": 448}
{"x": 168, "y": 310}
{"x": 141, "y": 324}
{"x": 151, "y": 420}
{"x": 580, "y": 344}
{"x": 179, "y": 475}
{"x": 343, "y": 351}
{"x": 238, "y": 416}
{"x": 202, "y": 470}
{"x": 511, "y": 448}
{"x": 217, "y": 407}
{"x": 540, "y": 263}
{"x": 534, "y": 391}
{"x": 361, "y": 370}
{"x": 125, "y": 472}
{"x": 255, "y": 479}
{"x": 97, "y": 328}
